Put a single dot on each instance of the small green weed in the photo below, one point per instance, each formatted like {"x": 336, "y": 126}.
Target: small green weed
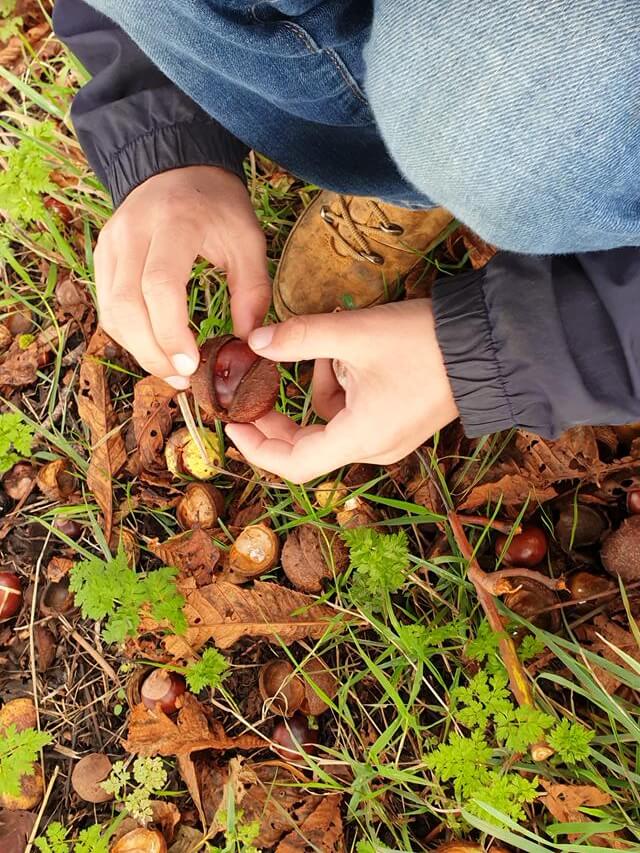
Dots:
{"x": 56, "y": 839}
{"x": 379, "y": 563}
{"x": 16, "y": 439}
{"x": 18, "y": 754}
{"x": 210, "y": 671}
{"x": 112, "y": 590}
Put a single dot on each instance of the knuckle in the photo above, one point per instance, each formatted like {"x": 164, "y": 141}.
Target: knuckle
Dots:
{"x": 155, "y": 279}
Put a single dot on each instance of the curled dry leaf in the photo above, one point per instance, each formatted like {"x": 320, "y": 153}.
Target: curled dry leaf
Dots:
{"x": 45, "y": 647}
{"x": 58, "y": 568}
{"x": 312, "y": 555}
{"x": 282, "y": 690}
{"x": 95, "y": 408}
{"x": 15, "y": 829}
{"x": 166, "y": 816}
{"x": 320, "y": 831}
{"x": 620, "y": 552}
{"x": 565, "y": 801}
{"x": 154, "y": 409}
{"x": 151, "y": 732}
{"x": 87, "y": 776}
{"x": 55, "y": 481}
{"x": 140, "y": 840}
{"x": 224, "y": 612}
{"x": 599, "y": 636}
{"x": 205, "y": 779}
{"x": 194, "y": 553}
{"x": 19, "y": 481}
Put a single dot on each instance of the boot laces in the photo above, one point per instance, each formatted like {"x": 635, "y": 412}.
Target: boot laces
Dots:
{"x": 356, "y": 244}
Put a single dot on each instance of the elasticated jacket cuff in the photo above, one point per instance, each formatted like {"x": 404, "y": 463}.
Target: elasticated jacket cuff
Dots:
{"x": 472, "y": 361}
{"x": 192, "y": 143}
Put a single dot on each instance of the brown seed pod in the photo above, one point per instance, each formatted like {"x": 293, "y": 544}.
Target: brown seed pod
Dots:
{"x": 57, "y": 598}
{"x": 580, "y": 527}
{"x": 620, "y": 552}
{"x": 19, "y": 480}
{"x": 141, "y": 840}
{"x": 87, "y": 775}
{"x": 10, "y": 595}
{"x": 200, "y": 506}
{"x": 232, "y": 383}
{"x": 320, "y": 679}
{"x": 582, "y": 585}
{"x": 20, "y": 713}
{"x": 31, "y": 792}
{"x": 45, "y": 647}
{"x": 55, "y": 481}
{"x": 532, "y": 601}
{"x": 125, "y": 539}
{"x": 255, "y": 551}
{"x": 294, "y": 738}
{"x": 282, "y": 691}
{"x": 164, "y": 688}
{"x": 311, "y": 555}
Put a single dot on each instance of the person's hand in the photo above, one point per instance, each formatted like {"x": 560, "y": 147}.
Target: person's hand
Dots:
{"x": 145, "y": 255}
{"x": 393, "y": 392}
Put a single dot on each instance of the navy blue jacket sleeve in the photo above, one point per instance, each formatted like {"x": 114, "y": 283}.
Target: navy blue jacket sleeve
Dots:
{"x": 133, "y": 122}
{"x": 544, "y": 342}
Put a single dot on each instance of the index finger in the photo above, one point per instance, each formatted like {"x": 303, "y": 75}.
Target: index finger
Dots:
{"x": 307, "y": 453}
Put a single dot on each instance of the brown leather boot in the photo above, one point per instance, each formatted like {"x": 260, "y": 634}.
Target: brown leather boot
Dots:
{"x": 351, "y": 252}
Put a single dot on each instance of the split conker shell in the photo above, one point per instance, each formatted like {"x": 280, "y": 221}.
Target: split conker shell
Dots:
{"x": 57, "y": 598}
{"x": 526, "y": 549}
{"x": 255, "y": 395}
{"x": 620, "y": 552}
{"x": 532, "y": 601}
{"x": 20, "y": 713}
{"x": 10, "y": 595}
{"x": 255, "y": 551}
{"x": 164, "y": 688}
{"x": 583, "y": 584}
{"x": 31, "y": 792}
{"x": 87, "y": 776}
{"x": 141, "y": 840}
{"x": 294, "y": 738}
{"x": 55, "y": 481}
{"x": 330, "y": 493}
{"x": 18, "y": 481}
{"x": 319, "y": 679}
{"x": 200, "y": 506}
{"x": 283, "y": 691}
{"x": 580, "y": 527}
{"x": 183, "y": 457}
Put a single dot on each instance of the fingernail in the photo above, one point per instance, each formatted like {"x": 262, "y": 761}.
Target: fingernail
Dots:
{"x": 261, "y": 338}
{"x": 180, "y": 383}
{"x": 184, "y": 364}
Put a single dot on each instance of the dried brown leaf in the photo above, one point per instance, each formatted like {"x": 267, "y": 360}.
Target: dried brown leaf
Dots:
{"x": 95, "y": 408}
{"x": 224, "y": 612}
{"x": 564, "y": 803}
{"x": 312, "y": 555}
{"x": 193, "y": 552}
{"x": 154, "y": 408}
{"x": 321, "y": 831}
{"x": 151, "y": 732}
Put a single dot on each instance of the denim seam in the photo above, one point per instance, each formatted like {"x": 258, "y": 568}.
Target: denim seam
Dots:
{"x": 114, "y": 154}
{"x": 494, "y": 347}
{"x": 304, "y": 37}
{"x": 339, "y": 64}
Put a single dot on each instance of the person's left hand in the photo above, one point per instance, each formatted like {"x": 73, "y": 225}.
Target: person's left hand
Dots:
{"x": 393, "y": 392}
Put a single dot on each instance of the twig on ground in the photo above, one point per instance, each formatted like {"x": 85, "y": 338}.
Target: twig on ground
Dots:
{"x": 518, "y": 678}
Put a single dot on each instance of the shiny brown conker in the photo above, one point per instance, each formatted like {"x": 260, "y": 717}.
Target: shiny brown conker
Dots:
{"x": 10, "y": 595}
{"x": 232, "y": 383}
{"x": 582, "y": 585}
{"x": 526, "y": 549}
{"x": 68, "y": 527}
{"x": 294, "y": 738}
{"x": 633, "y": 501}
{"x": 163, "y": 688}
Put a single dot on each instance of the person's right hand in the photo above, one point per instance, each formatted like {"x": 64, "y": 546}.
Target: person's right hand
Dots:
{"x": 145, "y": 255}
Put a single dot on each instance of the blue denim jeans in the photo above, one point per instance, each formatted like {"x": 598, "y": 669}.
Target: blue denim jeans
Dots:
{"x": 522, "y": 118}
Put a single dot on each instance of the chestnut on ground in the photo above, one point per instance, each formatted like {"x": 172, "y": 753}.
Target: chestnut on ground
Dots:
{"x": 10, "y": 595}
{"x": 526, "y": 549}
{"x": 294, "y": 738}
{"x": 633, "y": 501}
{"x": 232, "y": 383}
{"x": 163, "y": 688}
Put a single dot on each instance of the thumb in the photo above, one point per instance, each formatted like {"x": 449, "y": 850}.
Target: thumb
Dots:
{"x": 308, "y": 337}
